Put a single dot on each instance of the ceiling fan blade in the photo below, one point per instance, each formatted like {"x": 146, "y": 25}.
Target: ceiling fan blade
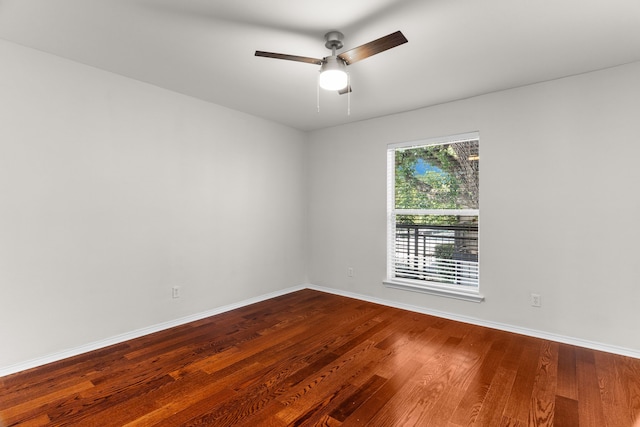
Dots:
{"x": 289, "y": 57}
{"x": 369, "y": 49}
{"x": 345, "y": 90}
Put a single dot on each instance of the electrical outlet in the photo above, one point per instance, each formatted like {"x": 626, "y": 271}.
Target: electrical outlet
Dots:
{"x": 535, "y": 300}
{"x": 175, "y": 292}
{"x": 350, "y": 272}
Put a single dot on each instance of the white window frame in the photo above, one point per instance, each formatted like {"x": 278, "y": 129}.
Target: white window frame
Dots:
{"x": 433, "y": 288}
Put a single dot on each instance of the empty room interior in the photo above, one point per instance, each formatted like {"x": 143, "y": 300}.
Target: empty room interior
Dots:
{"x": 194, "y": 231}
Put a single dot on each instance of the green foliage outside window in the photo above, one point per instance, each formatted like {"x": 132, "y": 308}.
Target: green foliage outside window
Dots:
{"x": 449, "y": 180}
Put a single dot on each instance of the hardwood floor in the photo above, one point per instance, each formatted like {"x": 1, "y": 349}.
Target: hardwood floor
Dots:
{"x": 310, "y": 358}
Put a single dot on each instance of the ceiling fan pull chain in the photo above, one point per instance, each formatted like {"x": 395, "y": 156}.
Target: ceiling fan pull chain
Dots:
{"x": 318, "y": 94}
{"x": 348, "y": 94}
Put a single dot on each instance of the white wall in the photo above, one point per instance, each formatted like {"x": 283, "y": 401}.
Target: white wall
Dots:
{"x": 559, "y": 202}
{"x": 113, "y": 191}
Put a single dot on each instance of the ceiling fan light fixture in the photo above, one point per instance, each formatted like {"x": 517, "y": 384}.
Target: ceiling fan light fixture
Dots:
{"x": 333, "y": 75}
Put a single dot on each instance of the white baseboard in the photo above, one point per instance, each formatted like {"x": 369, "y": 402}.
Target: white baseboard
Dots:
{"x": 12, "y": 369}
{"x": 489, "y": 324}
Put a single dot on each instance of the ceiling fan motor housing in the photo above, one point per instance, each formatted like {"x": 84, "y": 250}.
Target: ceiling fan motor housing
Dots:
{"x": 334, "y": 40}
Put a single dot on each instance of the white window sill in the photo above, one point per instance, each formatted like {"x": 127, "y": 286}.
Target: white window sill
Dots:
{"x": 433, "y": 289}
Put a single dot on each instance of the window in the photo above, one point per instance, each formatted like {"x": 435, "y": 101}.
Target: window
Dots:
{"x": 433, "y": 210}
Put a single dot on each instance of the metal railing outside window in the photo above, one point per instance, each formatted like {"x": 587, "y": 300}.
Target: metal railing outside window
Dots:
{"x": 437, "y": 253}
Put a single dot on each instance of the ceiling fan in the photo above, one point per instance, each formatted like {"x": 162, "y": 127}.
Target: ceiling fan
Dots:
{"x": 333, "y": 75}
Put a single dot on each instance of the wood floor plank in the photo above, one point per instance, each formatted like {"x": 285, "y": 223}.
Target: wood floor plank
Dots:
{"x": 628, "y": 374}
{"x": 468, "y": 409}
{"x": 324, "y": 386}
{"x": 470, "y": 354}
{"x": 566, "y": 412}
{"x": 519, "y": 403}
{"x": 493, "y": 405}
{"x": 612, "y": 393}
{"x": 310, "y": 358}
{"x": 426, "y": 388}
{"x": 567, "y": 383}
{"x": 589, "y": 399}
{"x": 357, "y": 398}
{"x": 544, "y": 387}
{"x": 370, "y": 407}
{"x": 48, "y": 376}
{"x": 31, "y": 406}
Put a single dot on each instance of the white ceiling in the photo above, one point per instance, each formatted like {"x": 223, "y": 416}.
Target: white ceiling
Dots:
{"x": 205, "y": 48}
